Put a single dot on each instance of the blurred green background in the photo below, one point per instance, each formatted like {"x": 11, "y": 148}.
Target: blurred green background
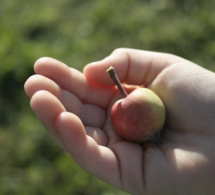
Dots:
{"x": 78, "y": 32}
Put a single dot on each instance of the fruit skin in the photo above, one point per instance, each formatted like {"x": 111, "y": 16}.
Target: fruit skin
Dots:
{"x": 139, "y": 116}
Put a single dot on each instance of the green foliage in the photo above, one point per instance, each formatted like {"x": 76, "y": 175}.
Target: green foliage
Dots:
{"x": 78, "y": 32}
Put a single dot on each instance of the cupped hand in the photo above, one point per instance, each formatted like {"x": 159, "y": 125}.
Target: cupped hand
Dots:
{"x": 75, "y": 109}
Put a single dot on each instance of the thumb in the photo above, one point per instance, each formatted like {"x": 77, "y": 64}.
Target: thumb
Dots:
{"x": 96, "y": 71}
{"x": 137, "y": 67}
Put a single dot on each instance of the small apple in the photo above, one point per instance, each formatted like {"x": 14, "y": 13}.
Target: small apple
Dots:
{"x": 139, "y": 116}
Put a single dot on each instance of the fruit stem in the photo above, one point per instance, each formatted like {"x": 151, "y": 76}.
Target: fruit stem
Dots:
{"x": 115, "y": 79}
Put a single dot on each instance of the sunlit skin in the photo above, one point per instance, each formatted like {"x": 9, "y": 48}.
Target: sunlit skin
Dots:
{"x": 75, "y": 109}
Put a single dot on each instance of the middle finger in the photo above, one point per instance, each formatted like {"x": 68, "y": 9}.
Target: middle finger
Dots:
{"x": 90, "y": 115}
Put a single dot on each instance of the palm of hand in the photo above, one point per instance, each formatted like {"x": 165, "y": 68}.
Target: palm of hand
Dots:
{"x": 181, "y": 165}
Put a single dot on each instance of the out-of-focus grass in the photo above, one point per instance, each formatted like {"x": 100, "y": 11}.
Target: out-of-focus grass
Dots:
{"x": 79, "y": 32}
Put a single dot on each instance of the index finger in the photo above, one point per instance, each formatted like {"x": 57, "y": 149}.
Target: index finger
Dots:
{"x": 74, "y": 81}
{"x": 132, "y": 66}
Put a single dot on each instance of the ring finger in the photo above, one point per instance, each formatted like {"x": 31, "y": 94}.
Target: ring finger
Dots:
{"x": 90, "y": 115}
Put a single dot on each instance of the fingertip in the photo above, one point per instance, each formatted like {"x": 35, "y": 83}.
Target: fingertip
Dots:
{"x": 46, "y": 105}
{"x": 40, "y": 62}
{"x": 97, "y": 71}
{"x": 38, "y": 98}
{"x": 27, "y": 87}
{"x": 68, "y": 120}
{"x": 93, "y": 65}
{"x": 91, "y": 72}
{"x": 50, "y": 67}
{"x": 35, "y": 100}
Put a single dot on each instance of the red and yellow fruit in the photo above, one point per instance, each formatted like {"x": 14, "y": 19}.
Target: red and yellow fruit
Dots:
{"x": 139, "y": 116}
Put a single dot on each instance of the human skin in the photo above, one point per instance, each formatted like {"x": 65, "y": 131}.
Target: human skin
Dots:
{"x": 75, "y": 109}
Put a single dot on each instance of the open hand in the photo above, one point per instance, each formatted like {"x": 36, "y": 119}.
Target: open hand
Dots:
{"x": 75, "y": 109}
